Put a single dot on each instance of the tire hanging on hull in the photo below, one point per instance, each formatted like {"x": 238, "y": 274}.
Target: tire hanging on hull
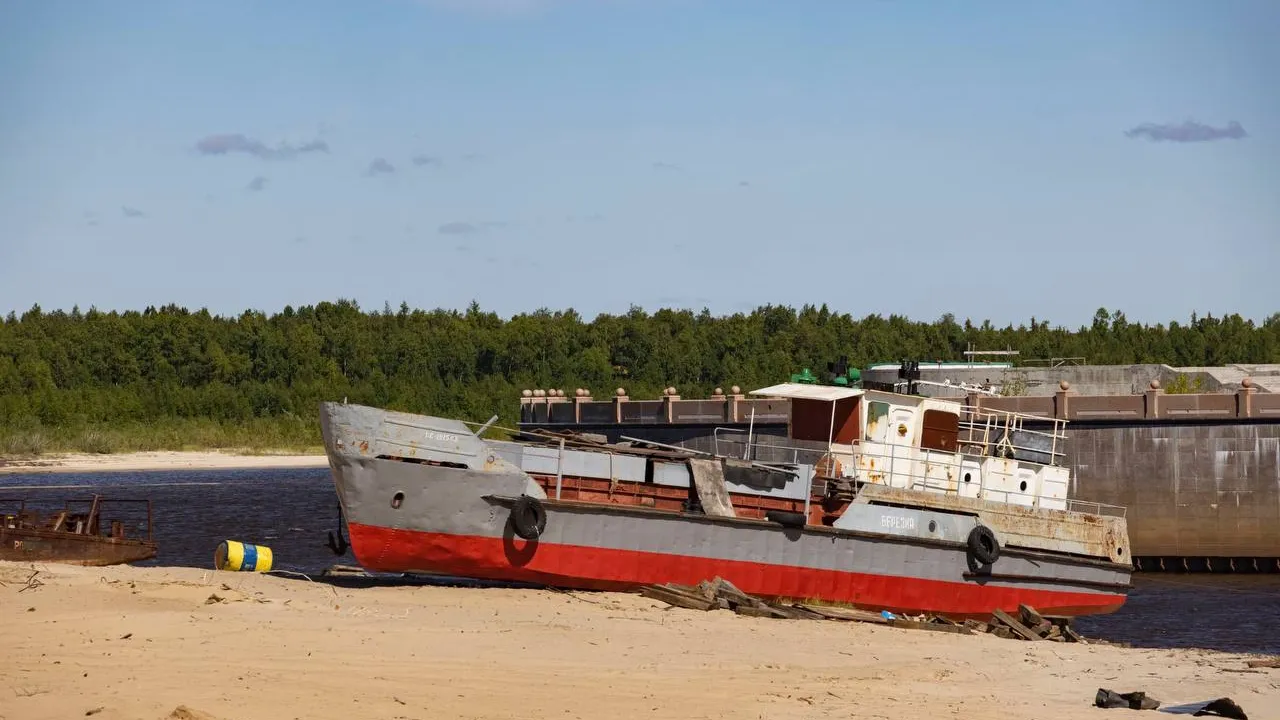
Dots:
{"x": 528, "y": 517}
{"x": 983, "y": 545}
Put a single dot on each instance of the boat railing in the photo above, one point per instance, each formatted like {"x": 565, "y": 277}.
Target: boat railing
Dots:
{"x": 742, "y": 445}
{"x": 907, "y": 476}
{"x": 946, "y": 389}
{"x": 980, "y": 431}
{"x": 74, "y": 521}
{"x": 1015, "y": 497}
{"x": 981, "y": 439}
{"x": 821, "y": 464}
{"x": 897, "y": 466}
{"x": 1059, "y": 424}
{"x": 1088, "y": 507}
{"x": 1003, "y": 433}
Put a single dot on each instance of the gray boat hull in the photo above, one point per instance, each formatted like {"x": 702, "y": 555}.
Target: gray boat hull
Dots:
{"x": 444, "y": 506}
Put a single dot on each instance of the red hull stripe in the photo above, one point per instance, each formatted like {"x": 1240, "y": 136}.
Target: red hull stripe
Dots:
{"x": 391, "y": 550}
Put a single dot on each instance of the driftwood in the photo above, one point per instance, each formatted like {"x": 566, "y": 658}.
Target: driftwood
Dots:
{"x": 1031, "y": 625}
{"x": 677, "y": 597}
{"x": 1017, "y": 627}
{"x": 720, "y": 594}
{"x": 935, "y": 625}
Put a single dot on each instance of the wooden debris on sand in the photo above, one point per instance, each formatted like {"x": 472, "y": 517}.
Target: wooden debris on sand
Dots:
{"x": 720, "y": 594}
{"x": 344, "y": 571}
{"x": 1030, "y": 625}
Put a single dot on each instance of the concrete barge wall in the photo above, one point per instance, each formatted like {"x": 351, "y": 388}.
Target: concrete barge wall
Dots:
{"x": 1192, "y": 489}
{"x": 1198, "y": 474}
{"x": 1090, "y": 379}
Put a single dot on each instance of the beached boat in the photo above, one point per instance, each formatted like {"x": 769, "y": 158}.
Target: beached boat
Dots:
{"x": 883, "y": 501}
{"x": 72, "y": 537}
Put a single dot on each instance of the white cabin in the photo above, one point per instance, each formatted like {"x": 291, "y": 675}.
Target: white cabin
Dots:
{"x": 930, "y": 444}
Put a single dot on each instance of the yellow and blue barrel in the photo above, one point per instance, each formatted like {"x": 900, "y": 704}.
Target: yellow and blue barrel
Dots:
{"x": 237, "y": 556}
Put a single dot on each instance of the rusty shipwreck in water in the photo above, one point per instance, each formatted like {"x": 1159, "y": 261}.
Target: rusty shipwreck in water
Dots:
{"x": 73, "y": 535}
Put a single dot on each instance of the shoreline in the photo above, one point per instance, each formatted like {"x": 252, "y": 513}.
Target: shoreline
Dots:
{"x": 123, "y": 642}
{"x": 158, "y": 460}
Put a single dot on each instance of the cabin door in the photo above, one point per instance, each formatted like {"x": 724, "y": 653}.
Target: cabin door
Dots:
{"x": 906, "y": 463}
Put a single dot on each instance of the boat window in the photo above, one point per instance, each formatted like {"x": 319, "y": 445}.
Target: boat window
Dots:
{"x": 877, "y": 421}
{"x": 941, "y": 431}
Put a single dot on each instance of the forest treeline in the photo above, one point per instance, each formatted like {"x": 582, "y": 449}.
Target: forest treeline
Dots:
{"x": 170, "y": 377}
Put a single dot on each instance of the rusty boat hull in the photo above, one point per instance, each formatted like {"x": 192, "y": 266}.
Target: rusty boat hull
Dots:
{"x": 423, "y": 494}
{"x": 71, "y": 549}
{"x": 73, "y": 536}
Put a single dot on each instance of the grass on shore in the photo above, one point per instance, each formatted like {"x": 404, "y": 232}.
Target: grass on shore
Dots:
{"x": 259, "y": 436}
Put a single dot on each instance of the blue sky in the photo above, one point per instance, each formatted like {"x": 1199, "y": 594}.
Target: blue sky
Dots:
{"x": 988, "y": 158}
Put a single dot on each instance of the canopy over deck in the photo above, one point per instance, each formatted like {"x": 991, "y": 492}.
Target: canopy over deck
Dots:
{"x": 802, "y": 391}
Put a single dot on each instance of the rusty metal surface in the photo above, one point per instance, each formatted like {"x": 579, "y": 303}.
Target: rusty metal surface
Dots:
{"x": 69, "y": 548}
{"x": 72, "y": 537}
{"x": 1087, "y": 534}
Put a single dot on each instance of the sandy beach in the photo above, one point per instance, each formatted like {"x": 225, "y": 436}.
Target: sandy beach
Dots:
{"x": 164, "y": 460}
{"x": 138, "y": 643}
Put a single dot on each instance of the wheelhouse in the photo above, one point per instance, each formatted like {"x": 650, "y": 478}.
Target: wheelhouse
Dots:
{"x": 927, "y": 443}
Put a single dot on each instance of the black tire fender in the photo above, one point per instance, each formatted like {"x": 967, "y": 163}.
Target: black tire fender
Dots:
{"x": 983, "y": 545}
{"x": 528, "y": 517}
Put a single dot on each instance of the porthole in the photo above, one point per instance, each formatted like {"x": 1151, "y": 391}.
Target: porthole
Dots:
{"x": 968, "y": 477}
{"x": 933, "y": 526}
{"x": 1022, "y": 486}
{"x": 397, "y": 500}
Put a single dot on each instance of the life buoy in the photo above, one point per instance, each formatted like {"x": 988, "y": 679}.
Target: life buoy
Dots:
{"x": 528, "y": 517}
{"x": 983, "y": 545}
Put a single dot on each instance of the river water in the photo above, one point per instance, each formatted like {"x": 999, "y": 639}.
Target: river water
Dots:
{"x": 292, "y": 511}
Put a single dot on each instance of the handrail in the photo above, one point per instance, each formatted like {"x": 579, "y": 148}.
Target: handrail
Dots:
{"x": 750, "y": 445}
{"x": 885, "y": 459}
{"x": 1001, "y": 412}
{"x": 91, "y": 517}
{"x": 917, "y": 481}
{"x": 961, "y": 440}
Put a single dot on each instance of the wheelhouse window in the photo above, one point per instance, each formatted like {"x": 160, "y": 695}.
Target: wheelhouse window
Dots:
{"x": 941, "y": 431}
{"x": 877, "y": 421}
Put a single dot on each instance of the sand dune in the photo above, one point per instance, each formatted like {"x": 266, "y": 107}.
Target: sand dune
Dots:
{"x": 143, "y": 643}
{"x": 165, "y": 460}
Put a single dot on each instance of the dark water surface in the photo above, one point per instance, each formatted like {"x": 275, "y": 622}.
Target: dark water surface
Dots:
{"x": 292, "y": 510}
